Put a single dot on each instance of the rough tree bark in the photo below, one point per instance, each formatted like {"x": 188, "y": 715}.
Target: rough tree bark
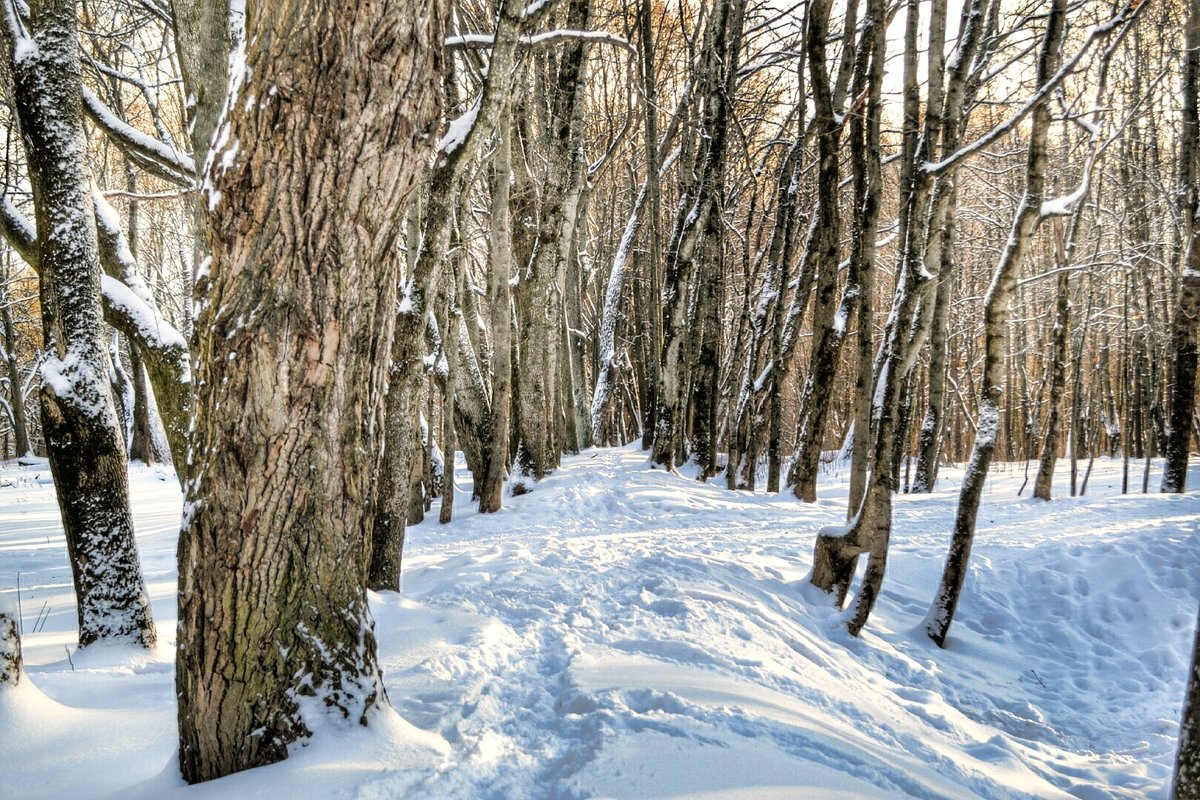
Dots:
{"x": 304, "y": 207}
{"x": 79, "y": 421}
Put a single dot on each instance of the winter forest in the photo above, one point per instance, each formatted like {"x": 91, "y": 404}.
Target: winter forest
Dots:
{"x": 599, "y": 398}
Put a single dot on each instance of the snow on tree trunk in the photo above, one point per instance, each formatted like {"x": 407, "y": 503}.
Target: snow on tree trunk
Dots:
{"x": 16, "y": 400}
{"x": 79, "y": 419}
{"x": 10, "y": 651}
{"x": 324, "y": 135}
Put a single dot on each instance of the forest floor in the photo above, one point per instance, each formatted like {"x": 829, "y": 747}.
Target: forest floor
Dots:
{"x": 625, "y": 632}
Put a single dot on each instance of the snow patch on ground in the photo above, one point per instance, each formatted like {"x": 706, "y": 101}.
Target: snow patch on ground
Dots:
{"x": 622, "y": 631}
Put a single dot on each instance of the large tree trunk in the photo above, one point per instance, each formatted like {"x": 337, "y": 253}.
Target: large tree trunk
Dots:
{"x": 304, "y": 210}
{"x": 79, "y": 421}
{"x": 999, "y": 296}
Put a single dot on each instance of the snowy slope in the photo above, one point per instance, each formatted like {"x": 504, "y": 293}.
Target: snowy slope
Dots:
{"x": 624, "y": 632}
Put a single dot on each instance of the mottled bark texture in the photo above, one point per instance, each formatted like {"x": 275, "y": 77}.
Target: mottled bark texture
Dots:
{"x": 10, "y": 651}
{"x": 996, "y": 305}
{"x": 79, "y": 420}
{"x": 325, "y": 133}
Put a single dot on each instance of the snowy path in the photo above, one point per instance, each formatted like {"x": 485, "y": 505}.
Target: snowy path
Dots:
{"x": 625, "y": 632}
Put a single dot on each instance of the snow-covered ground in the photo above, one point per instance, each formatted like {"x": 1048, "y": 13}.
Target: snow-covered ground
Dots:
{"x": 624, "y": 632}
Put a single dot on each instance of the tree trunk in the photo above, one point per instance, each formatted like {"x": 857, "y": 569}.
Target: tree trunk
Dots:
{"x": 1184, "y": 349}
{"x": 999, "y": 296}
{"x": 141, "y": 446}
{"x": 822, "y": 252}
{"x": 20, "y": 424}
{"x": 539, "y": 293}
{"x": 1186, "y": 785}
{"x": 398, "y": 473}
{"x": 304, "y": 210}
{"x": 204, "y": 33}
{"x": 1058, "y": 380}
{"x": 10, "y": 651}
{"x": 500, "y": 305}
{"x": 652, "y": 328}
{"x": 79, "y": 422}
{"x": 694, "y": 260}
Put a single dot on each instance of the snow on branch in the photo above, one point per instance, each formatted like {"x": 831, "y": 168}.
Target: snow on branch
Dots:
{"x": 149, "y": 153}
{"x": 536, "y": 9}
{"x": 156, "y": 332}
{"x": 459, "y": 129}
{"x": 18, "y": 231}
{"x": 484, "y": 41}
{"x": 1119, "y": 21}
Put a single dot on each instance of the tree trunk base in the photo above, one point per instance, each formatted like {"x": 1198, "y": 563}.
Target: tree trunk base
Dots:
{"x": 835, "y": 559}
